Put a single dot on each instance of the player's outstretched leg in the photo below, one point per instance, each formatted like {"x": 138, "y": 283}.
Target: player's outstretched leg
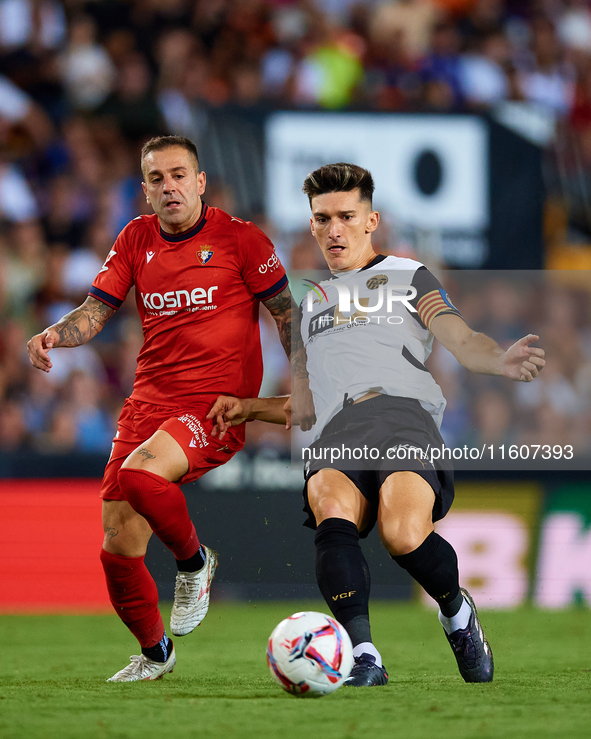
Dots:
{"x": 470, "y": 647}
{"x": 343, "y": 578}
{"x": 434, "y": 565}
{"x": 191, "y": 591}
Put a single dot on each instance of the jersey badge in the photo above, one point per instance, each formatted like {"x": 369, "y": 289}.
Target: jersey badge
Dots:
{"x": 204, "y": 254}
{"x": 150, "y": 256}
{"x": 445, "y": 298}
{"x": 374, "y": 282}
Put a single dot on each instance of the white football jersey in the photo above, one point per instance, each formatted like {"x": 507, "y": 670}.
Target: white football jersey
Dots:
{"x": 368, "y": 330}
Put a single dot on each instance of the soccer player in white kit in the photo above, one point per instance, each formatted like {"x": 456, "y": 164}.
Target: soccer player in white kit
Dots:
{"x": 371, "y": 390}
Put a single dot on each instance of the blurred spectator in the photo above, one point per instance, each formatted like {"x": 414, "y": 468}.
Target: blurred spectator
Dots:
{"x": 82, "y": 265}
{"x": 34, "y": 25}
{"x": 66, "y": 212}
{"x": 133, "y": 107}
{"x": 574, "y": 27}
{"x": 87, "y": 70}
{"x": 330, "y": 72}
{"x": 441, "y": 70}
{"x": 13, "y": 430}
{"x": 59, "y": 436}
{"x": 483, "y": 76}
{"x": 17, "y": 202}
{"x": 23, "y": 256}
{"x": 546, "y": 77}
{"x": 18, "y": 109}
{"x": 94, "y": 427}
{"x": 411, "y": 22}
{"x": 493, "y": 421}
{"x": 485, "y": 18}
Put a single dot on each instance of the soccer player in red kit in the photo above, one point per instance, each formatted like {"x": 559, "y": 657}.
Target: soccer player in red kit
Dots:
{"x": 199, "y": 276}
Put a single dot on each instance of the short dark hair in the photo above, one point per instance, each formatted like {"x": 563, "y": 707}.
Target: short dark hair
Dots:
{"x": 340, "y": 177}
{"x": 158, "y": 143}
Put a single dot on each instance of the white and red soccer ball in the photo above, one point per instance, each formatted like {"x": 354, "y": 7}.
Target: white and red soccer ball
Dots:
{"x": 310, "y": 654}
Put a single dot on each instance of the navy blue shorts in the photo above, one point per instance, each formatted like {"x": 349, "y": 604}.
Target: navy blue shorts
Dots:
{"x": 391, "y": 427}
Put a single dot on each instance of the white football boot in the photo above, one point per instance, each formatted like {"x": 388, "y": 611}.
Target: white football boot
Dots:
{"x": 142, "y": 668}
{"x": 191, "y": 596}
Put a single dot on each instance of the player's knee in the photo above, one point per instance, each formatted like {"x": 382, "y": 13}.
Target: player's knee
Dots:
{"x": 328, "y": 499}
{"x": 137, "y": 485}
{"x": 403, "y": 537}
{"x": 129, "y": 483}
{"x": 125, "y": 541}
{"x": 126, "y": 532}
{"x": 326, "y": 506}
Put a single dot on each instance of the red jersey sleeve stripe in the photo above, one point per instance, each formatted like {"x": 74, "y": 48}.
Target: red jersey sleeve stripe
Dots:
{"x": 105, "y": 298}
{"x": 272, "y": 291}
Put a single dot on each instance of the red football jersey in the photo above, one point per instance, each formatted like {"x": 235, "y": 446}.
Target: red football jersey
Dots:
{"x": 198, "y": 297}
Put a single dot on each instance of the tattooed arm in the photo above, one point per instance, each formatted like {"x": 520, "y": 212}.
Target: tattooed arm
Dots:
{"x": 284, "y": 310}
{"x": 74, "y": 329}
{"x": 287, "y": 317}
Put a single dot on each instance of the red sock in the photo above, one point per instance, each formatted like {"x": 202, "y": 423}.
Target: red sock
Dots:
{"x": 134, "y": 596}
{"x": 164, "y": 507}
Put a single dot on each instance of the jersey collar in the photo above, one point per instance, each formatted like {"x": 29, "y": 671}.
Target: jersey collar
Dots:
{"x": 376, "y": 260}
{"x": 175, "y": 238}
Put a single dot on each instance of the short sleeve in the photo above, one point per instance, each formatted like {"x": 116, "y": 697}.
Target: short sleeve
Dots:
{"x": 431, "y": 299}
{"x": 262, "y": 270}
{"x": 115, "y": 278}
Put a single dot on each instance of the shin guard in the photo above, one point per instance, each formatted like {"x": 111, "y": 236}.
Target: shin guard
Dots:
{"x": 164, "y": 507}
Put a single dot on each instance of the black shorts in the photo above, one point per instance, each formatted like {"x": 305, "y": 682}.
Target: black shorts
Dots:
{"x": 389, "y": 427}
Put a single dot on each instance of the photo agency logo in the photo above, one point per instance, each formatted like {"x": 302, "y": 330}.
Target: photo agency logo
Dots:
{"x": 317, "y": 290}
{"x": 369, "y": 300}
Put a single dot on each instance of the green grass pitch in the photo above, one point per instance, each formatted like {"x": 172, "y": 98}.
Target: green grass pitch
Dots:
{"x": 53, "y": 670}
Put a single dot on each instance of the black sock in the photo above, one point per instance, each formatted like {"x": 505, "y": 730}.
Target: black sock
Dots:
{"x": 358, "y": 629}
{"x": 450, "y": 609}
{"x": 159, "y": 652}
{"x": 193, "y": 564}
{"x": 343, "y": 576}
{"x": 434, "y": 565}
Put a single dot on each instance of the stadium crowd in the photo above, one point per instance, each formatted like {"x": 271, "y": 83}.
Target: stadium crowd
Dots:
{"x": 83, "y": 83}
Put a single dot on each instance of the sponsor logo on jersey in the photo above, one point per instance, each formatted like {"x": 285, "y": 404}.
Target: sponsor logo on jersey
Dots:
{"x": 374, "y": 282}
{"x": 150, "y": 256}
{"x": 204, "y": 254}
{"x": 180, "y": 299}
{"x": 194, "y": 425}
{"x": 322, "y": 322}
{"x": 111, "y": 254}
{"x": 333, "y": 318}
{"x": 270, "y": 265}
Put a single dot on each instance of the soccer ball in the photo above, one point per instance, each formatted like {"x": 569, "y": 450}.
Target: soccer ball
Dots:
{"x": 310, "y": 654}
